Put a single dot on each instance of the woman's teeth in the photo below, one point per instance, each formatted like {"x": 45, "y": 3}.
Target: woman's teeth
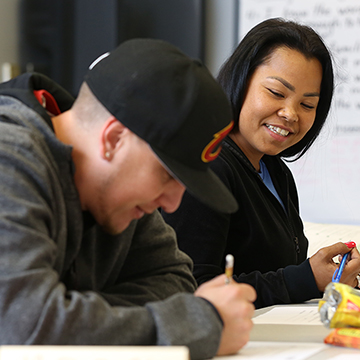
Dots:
{"x": 278, "y": 130}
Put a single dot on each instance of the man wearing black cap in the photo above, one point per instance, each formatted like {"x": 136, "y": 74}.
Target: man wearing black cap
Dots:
{"x": 85, "y": 257}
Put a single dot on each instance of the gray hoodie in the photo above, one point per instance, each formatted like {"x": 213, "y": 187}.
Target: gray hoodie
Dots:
{"x": 63, "y": 281}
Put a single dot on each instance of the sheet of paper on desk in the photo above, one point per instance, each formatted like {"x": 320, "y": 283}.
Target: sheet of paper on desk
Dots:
{"x": 94, "y": 352}
{"x": 292, "y": 315}
{"x": 320, "y": 235}
{"x": 261, "y": 350}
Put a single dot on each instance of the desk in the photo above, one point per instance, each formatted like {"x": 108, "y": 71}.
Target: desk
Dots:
{"x": 297, "y": 333}
{"x": 265, "y": 341}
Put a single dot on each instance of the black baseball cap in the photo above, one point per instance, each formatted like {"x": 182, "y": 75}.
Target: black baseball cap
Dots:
{"x": 174, "y": 104}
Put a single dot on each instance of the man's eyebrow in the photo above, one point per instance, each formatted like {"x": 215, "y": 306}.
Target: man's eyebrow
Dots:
{"x": 292, "y": 87}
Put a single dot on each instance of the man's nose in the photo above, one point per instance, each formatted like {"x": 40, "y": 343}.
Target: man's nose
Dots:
{"x": 171, "y": 200}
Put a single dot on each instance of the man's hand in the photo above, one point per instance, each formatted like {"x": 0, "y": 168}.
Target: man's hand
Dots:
{"x": 234, "y": 302}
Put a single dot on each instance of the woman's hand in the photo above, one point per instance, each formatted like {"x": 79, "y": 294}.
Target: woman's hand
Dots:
{"x": 323, "y": 265}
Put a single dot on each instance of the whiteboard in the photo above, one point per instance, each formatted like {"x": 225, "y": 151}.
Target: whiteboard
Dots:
{"x": 328, "y": 175}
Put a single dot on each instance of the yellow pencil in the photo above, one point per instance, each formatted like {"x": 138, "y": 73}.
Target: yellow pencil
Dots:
{"x": 229, "y": 268}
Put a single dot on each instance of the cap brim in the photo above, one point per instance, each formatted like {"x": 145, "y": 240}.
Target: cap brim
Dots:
{"x": 204, "y": 185}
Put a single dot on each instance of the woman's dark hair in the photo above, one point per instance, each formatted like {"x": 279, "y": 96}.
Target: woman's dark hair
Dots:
{"x": 256, "y": 48}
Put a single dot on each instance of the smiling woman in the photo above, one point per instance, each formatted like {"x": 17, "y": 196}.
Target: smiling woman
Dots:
{"x": 280, "y": 104}
{"x": 280, "y": 83}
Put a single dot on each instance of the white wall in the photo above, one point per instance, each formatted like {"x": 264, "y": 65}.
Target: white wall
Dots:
{"x": 221, "y": 32}
{"x": 9, "y": 33}
{"x": 9, "y": 30}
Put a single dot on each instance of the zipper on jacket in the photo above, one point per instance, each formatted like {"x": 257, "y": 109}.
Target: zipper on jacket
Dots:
{"x": 295, "y": 238}
{"x": 287, "y": 220}
{"x": 297, "y": 247}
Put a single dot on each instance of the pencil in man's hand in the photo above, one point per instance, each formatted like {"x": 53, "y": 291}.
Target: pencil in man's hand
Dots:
{"x": 229, "y": 268}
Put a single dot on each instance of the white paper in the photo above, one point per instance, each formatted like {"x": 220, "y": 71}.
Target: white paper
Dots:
{"x": 321, "y": 235}
{"x": 291, "y": 315}
{"x": 94, "y": 352}
{"x": 258, "y": 350}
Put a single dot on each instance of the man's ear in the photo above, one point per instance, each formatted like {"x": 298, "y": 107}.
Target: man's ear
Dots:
{"x": 111, "y": 134}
